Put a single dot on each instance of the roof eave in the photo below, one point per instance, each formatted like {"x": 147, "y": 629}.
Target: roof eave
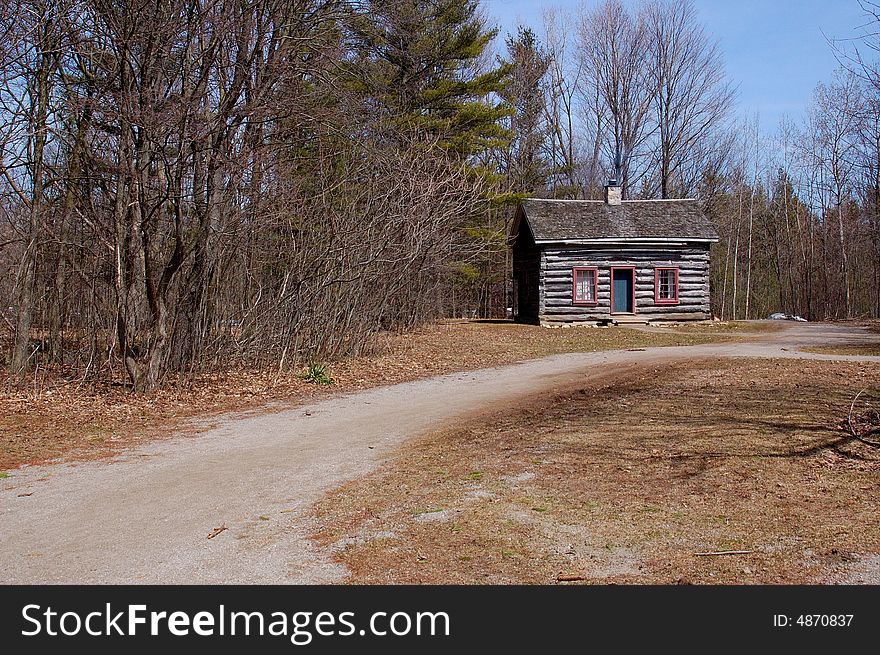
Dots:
{"x": 629, "y": 240}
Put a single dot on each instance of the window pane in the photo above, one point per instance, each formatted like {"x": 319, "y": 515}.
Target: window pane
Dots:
{"x": 666, "y": 284}
{"x": 585, "y": 286}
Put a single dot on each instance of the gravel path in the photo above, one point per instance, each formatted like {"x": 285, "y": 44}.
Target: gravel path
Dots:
{"x": 144, "y": 517}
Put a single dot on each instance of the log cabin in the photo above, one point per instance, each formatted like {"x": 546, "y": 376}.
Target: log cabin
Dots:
{"x": 611, "y": 261}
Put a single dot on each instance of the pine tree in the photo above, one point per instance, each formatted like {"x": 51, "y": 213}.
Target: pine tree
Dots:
{"x": 419, "y": 65}
{"x": 524, "y": 161}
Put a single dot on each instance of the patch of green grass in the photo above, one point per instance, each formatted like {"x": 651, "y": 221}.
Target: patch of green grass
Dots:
{"x": 316, "y": 374}
{"x": 539, "y": 509}
{"x": 475, "y": 475}
{"x": 3, "y": 474}
{"x": 264, "y": 517}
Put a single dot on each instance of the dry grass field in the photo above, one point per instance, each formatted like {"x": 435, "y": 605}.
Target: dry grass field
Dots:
{"x": 634, "y": 478}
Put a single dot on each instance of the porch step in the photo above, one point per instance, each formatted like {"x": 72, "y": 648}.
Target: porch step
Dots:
{"x": 629, "y": 320}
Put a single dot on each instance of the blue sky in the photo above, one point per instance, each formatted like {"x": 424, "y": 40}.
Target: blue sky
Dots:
{"x": 774, "y": 50}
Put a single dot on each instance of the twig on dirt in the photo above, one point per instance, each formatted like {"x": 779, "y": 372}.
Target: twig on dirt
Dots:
{"x": 724, "y": 552}
{"x": 569, "y": 578}
{"x": 849, "y": 415}
{"x": 217, "y": 531}
{"x": 855, "y": 433}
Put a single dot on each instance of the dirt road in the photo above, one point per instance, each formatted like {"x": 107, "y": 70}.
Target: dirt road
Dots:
{"x": 145, "y": 517}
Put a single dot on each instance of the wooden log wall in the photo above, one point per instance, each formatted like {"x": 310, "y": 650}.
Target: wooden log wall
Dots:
{"x": 526, "y": 273}
{"x": 555, "y": 303}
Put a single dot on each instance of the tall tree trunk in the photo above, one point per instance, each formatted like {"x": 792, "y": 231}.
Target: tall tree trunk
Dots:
{"x": 844, "y": 262}
{"x": 56, "y": 304}
{"x": 27, "y": 268}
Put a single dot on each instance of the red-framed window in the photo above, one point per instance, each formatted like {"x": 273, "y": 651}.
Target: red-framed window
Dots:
{"x": 585, "y": 285}
{"x": 666, "y": 285}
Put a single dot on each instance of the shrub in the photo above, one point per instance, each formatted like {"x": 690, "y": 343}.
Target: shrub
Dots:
{"x": 316, "y": 374}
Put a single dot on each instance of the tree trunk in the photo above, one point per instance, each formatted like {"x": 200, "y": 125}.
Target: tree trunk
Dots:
{"x": 27, "y": 268}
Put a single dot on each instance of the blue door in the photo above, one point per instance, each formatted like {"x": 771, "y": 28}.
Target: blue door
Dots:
{"x": 623, "y": 290}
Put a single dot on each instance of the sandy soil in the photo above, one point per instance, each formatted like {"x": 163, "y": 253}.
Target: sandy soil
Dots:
{"x": 146, "y": 515}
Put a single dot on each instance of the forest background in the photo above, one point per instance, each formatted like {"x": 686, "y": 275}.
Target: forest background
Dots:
{"x": 198, "y": 185}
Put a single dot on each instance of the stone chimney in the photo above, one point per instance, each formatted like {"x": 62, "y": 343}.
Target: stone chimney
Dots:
{"x": 613, "y": 193}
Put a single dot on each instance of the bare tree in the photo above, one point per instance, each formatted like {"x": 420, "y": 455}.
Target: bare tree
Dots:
{"x": 693, "y": 97}
{"x": 193, "y": 185}
{"x": 563, "y": 90}
{"x": 832, "y": 124}
{"x": 30, "y": 65}
{"x": 614, "y": 48}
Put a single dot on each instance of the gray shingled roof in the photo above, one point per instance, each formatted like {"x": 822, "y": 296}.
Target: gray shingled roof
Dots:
{"x": 552, "y": 220}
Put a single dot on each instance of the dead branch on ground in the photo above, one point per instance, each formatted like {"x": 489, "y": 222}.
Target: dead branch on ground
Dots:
{"x": 870, "y": 419}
